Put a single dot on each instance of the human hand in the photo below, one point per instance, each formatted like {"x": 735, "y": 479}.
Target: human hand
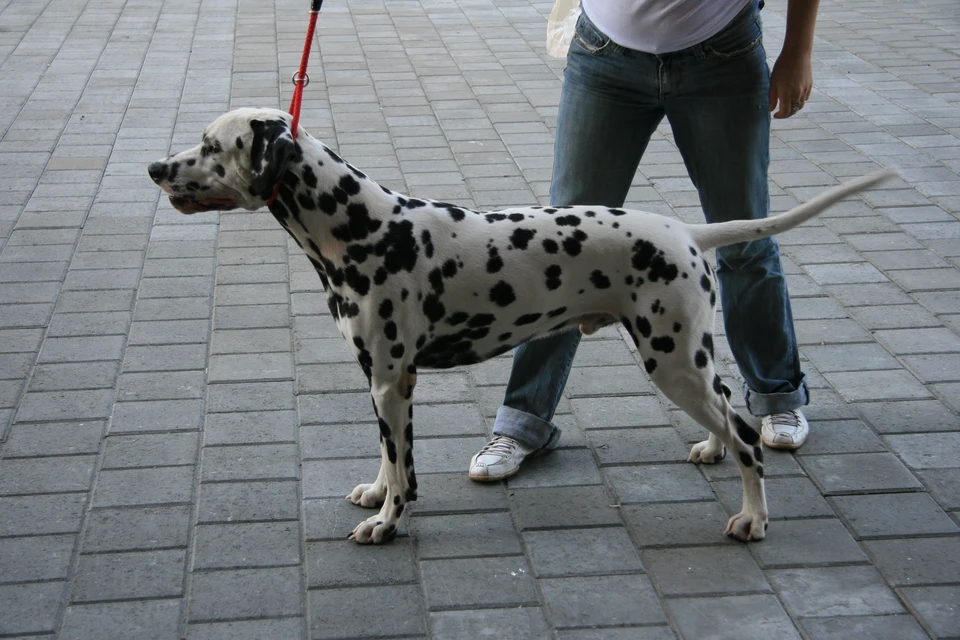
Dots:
{"x": 791, "y": 82}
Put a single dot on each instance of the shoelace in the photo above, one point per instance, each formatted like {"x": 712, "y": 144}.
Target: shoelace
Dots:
{"x": 785, "y": 419}
{"x": 501, "y": 446}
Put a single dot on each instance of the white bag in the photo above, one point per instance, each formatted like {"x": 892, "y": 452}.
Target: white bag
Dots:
{"x": 561, "y": 25}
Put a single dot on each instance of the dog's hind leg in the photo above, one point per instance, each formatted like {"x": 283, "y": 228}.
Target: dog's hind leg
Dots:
{"x": 396, "y": 483}
{"x": 690, "y": 387}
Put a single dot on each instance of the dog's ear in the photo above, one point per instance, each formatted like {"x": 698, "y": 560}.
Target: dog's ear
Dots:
{"x": 272, "y": 148}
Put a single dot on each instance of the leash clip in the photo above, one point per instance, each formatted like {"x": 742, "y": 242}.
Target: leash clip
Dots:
{"x": 298, "y": 79}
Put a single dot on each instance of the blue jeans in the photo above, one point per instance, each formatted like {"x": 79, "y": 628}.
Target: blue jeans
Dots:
{"x": 715, "y": 97}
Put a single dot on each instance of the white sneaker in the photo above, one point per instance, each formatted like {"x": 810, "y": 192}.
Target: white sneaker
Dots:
{"x": 787, "y": 430}
{"x": 500, "y": 458}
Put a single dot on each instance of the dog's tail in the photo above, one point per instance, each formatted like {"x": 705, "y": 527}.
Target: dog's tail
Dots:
{"x": 721, "y": 234}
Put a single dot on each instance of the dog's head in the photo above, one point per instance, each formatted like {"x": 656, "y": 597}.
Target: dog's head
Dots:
{"x": 236, "y": 165}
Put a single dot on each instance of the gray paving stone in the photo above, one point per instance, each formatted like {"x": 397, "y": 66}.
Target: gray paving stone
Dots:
{"x": 658, "y": 483}
{"x": 123, "y": 576}
{"x": 246, "y": 545}
{"x": 246, "y": 629}
{"x": 343, "y": 441}
{"x": 251, "y": 427}
{"x": 563, "y": 467}
{"x": 130, "y": 487}
{"x": 73, "y": 376}
{"x": 249, "y": 462}
{"x": 138, "y": 528}
{"x": 35, "y": 558}
{"x": 402, "y": 617}
{"x": 345, "y": 564}
{"x": 252, "y": 366}
{"x": 619, "y": 633}
{"x": 896, "y": 514}
{"x": 147, "y": 619}
{"x": 160, "y": 385}
{"x": 572, "y": 552}
{"x": 841, "y": 436}
{"x": 916, "y": 561}
{"x": 156, "y": 415}
{"x": 167, "y": 357}
{"x": 443, "y": 493}
{"x": 164, "y": 332}
{"x": 601, "y": 600}
{"x": 620, "y": 446}
{"x": 245, "y": 593}
{"x": 65, "y": 405}
{"x": 150, "y": 450}
{"x": 904, "y": 417}
{"x": 692, "y": 571}
{"x": 547, "y": 507}
{"x": 937, "y": 607}
{"x": 858, "y": 472}
{"x": 501, "y": 582}
{"x": 30, "y": 608}
{"x": 944, "y": 486}
{"x": 860, "y": 386}
{"x": 878, "y": 627}
{"x": 758, "y": 616}
{"x": 924, "y": 450}
{"x": 334, "y": 377}
{"x": 82, "y": 348}
{"x": 449, "y": 536}
{"x": 813, "y": 542}
{"x": 524, "y": 623}
{"x": 240, "y": 396}
{"x": 29, "y": 440}
{"x": 626, "y": 411}
{"x": 835, "y": 591}
{"x": 445, "y": 455}
{"x": 54, "y": 474}
{"x": 606, "y": 380}
{"x": 678, "y": 523}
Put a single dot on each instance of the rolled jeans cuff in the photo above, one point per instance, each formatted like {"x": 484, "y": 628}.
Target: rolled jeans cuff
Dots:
{"x": 526, "y": 428}
{"x": 765, "y": 404}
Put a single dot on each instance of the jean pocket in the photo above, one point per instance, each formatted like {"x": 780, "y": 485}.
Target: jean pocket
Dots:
{"x": 738, "y": 39}
{"x": 589, "y": 37}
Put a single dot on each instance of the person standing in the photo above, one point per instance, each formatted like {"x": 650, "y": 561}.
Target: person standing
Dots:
{"x": 702, "y": 65}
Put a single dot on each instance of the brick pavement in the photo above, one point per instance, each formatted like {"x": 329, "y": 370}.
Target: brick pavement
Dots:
{"x": 179, "y": 423}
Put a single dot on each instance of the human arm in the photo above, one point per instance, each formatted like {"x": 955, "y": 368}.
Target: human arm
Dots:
{"x": 791, "y": 80}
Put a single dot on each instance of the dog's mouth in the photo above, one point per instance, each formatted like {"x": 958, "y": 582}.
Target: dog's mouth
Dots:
{"x": 188, "y": 206}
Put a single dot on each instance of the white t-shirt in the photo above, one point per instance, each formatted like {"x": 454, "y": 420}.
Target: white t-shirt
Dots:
{"x": 661, "y": 26}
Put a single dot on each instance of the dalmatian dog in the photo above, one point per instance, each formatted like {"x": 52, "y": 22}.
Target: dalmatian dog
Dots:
{"x": 413, "y": 283}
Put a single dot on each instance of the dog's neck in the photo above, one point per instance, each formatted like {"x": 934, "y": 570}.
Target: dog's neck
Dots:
{"x": 326, "y": 204}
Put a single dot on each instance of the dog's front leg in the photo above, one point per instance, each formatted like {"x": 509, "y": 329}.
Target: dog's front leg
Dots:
{"x": 396, "y": 483}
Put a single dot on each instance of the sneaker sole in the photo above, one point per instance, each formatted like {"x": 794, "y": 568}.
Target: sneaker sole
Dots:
{"x": 512, "y": 472}
{"x": 786, "y": 446}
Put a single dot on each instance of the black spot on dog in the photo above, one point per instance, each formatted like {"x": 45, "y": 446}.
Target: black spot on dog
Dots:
{"x": 650, "y": 365}
{"x": 567, "y": 221}
{"x": 386, "y": 309}
{"x": 502, "y": 294}
{"x": 700, "y": 359}
{"x": 396, "y": 351}
{"x": 553, "y": 273}
{"x": 758, "y": 454}
{"x": 550, "y": 246}
{"x": 746, "y": 459}
{"x": 527, "y": 318}
{"x": 663, "y": 343}
{"x": 327, "y": 203}
{"x": 390, "y": 330}
{"x": 677, "y": 327}
{"x": 559, "y": 311}
{"x": 643, "y": 326}
{"x": 705, "y": 283}
{"x": 574, "y": 244}
{"x": 599, "y": 280}
{"x": 746, "y": 433}
{"x": 433, "y": 309}
{"x": 503, "y": 337}
{"x": 520, "y": 238}
{"x": 707, "y": 343}
{"x": 495, "y": 262}
{"x": 349, "y": 184}
{"x": 482, "y": 320}
{"x": 309, "y": 177}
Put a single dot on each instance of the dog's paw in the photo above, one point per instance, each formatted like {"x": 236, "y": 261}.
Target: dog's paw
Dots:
{"x": 747, "y": 527}
{"x": 705, "y": 453}
{"x": 368, "y": 495}
{"x": 374, "y": 531}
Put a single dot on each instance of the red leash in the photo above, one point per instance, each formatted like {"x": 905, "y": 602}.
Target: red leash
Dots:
{"x": 300, "y": 80}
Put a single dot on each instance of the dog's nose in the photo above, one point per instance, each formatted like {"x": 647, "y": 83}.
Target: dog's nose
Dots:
{"x": 157, "y": 170}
